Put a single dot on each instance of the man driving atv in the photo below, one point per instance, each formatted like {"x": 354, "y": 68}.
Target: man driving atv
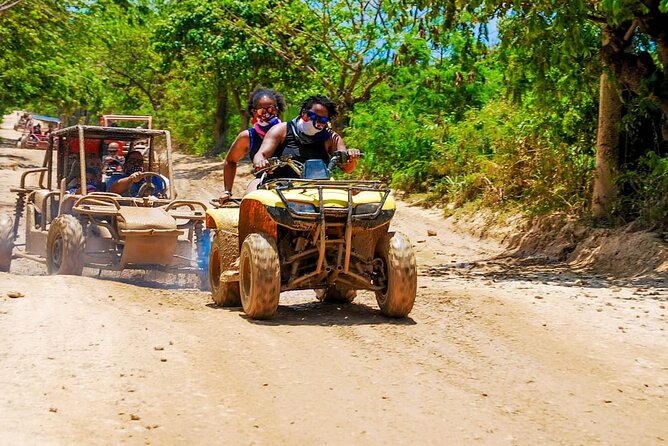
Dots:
{"x": 308, "y": 136}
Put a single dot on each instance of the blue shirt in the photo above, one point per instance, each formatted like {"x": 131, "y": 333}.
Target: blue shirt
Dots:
{"x": 133, "y": 190}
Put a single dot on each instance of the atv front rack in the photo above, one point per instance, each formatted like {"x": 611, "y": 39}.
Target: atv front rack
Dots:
{"x": 281, "y": 185}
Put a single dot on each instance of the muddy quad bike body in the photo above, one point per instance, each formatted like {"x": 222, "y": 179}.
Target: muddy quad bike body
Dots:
{"x": 69, "y": 228}
{"x": 310, "y": 233}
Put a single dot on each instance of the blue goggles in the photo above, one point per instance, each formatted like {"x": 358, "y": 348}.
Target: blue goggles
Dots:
{"x": 313, "y": 116}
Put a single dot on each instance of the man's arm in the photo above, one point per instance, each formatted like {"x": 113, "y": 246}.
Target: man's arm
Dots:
{"x": 237, "y": 151}
{"x": 123, "y": 184}
{"x": 274, "y": 137}
{"x": 334, "y": 144}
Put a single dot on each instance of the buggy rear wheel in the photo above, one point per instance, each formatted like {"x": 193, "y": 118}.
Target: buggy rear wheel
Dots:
{"x": 6, "y": 242}
{"x": 65, "y": 246}
{"x": 224, "y": 294}
{"x": 399, "y": 275}
{"x": 259, "y": 276}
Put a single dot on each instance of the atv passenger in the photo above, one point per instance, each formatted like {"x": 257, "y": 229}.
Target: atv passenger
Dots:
{"x": 129, "y": 181}
{"x": 308, "y": 136}
{"x": 265, "y": 107}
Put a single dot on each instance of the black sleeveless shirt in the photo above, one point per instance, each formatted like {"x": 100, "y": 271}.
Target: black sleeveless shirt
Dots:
{"x": 300, "y": 149}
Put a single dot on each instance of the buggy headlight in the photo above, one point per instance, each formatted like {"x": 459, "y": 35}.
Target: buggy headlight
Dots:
{"x": 298, "y": 206}
{"x": 367, "y": 208}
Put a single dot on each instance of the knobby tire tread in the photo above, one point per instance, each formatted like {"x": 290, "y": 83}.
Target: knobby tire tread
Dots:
{"x": 398, "y": 298}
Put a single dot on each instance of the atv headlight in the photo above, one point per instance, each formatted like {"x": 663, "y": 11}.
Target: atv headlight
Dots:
{"x": 367, "y": 208}
{"x": 298, "y": 206}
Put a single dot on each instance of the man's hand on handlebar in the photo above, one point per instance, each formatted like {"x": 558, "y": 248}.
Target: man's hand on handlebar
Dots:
{"x": 262, "y": 164}
{"x": 272, "y": 163}
{"x": 342, "y": 157}
{"x": 137, "y": 177}
{"x": 354, "y": 154}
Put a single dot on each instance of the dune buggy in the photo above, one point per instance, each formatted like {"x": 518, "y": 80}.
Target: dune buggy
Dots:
{"x": 36, "y": 132}
{"x": 310, "y": 233}
{"x": 69, "y": 227}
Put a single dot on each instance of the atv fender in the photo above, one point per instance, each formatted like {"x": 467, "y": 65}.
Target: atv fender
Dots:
{"x": 226, "y": 218}
{"x": 253, "y": 217}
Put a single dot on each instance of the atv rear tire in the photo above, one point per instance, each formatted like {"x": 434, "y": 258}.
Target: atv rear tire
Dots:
{"x": 224, "y": 294}
{"x": 398, "y": 296}
{"x": 336, "y": 294}
{"x": 259, "y": 276}
{"x": 65, "y": 246}
{"x": 6, "y": 243}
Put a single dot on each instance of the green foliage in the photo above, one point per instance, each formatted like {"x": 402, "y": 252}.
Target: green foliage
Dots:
{"x": 432, "y": 128}
{"x": 187, "y": 110}
{"x": 435, "y": 108}
{"x": 31, "y": 35}
{"x": 646, "y": 197}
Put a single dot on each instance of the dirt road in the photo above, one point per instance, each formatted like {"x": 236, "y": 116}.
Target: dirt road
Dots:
{"x": 495, "y": 352}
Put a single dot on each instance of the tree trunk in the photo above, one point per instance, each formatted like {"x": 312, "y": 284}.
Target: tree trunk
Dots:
{"x": 221, "y": 120}
{"x": 607, "y": 140}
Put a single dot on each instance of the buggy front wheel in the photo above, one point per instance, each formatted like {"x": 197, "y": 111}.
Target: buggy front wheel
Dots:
{"x": 65, "y": 246}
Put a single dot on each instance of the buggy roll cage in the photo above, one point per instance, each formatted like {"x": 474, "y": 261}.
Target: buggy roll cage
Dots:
{"x": 88, "y": 132}
{"x": 108, "y": 119}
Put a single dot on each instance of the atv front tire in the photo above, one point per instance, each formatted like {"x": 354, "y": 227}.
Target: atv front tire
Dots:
{"x": 6, "y": 243}
{"x": 259, "y": 276}
{"x": 398, "y": 296}
{"x": 65, "y": 246}
{"x": 224, "y": 294}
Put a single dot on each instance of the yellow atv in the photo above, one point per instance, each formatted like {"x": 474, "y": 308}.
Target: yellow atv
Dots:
{"x": 310, "y": 232}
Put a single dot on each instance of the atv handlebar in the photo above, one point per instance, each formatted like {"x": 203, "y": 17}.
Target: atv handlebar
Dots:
{"x": 277, "y": 162}
{"x": 339, "y": 158}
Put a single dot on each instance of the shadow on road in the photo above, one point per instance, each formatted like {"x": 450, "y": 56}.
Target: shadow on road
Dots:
{"x": 547, "y": 272}
{"x": 322, "y": 314}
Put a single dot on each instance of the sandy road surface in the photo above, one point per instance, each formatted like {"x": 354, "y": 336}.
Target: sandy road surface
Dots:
{"x": 495, "y": 352}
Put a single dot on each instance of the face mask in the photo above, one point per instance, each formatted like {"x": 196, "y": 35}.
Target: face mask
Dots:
{"x": 267, "y": 120}
{"x": 134, "y": 169}
{"x": 262, "y": 127}
{"x": 307, "y": 128}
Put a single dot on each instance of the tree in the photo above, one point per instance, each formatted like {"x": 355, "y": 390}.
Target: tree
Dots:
{"x": 633, "y": 56}
{"x": 32, "y": 33}
{"x": 349, "y": 47}
{"x": 121, "y": 52}
{"x": 8, "y": 4}
{"x": 201, "y": 33}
